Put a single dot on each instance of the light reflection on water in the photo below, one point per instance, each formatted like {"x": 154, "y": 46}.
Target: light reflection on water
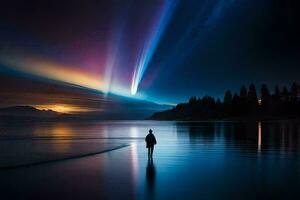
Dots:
{"x": 259, "y": 137}
{"x": 239, "y": 160}
{"x": 248, "y": 138}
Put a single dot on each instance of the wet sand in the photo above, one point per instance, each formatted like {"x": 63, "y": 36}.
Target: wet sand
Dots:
{"x": 102, "y": 176}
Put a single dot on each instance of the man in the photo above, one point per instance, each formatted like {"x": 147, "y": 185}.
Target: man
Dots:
{"x": 150, "y": 142}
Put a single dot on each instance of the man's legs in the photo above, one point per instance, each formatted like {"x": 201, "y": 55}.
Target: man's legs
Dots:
{"x": 149, "y": 152}
{"x": 152, "y": 148}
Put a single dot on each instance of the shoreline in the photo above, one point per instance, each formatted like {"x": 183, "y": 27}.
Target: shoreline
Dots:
{"x": 61, "y": 159}
{"x": 233, "y": 119}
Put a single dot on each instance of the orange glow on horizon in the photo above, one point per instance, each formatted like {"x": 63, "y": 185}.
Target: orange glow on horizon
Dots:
{"x": 63, "y": 108}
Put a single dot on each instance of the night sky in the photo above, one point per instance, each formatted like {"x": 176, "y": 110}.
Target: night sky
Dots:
{"x": 159, "y": 50}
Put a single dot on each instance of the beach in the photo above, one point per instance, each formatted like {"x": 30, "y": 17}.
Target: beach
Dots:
{"x": 203, "y": 160}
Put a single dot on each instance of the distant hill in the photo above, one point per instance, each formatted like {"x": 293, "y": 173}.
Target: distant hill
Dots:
{"x": 124, "y": 109}
{"x": 34, "y": 91}
{"x": 27, "y": 111}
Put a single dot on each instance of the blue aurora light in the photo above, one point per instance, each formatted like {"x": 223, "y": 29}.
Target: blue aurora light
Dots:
{"x": 151, "y": 44}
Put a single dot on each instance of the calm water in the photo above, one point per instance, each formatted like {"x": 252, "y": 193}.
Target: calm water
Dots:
{"x": 192, "y": 160}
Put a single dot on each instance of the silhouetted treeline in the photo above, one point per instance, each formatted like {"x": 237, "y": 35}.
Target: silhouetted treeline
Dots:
{"x": 249, "y": 102}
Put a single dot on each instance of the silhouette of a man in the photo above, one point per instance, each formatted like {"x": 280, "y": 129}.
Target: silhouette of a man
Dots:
{"x": 150, "y": 142}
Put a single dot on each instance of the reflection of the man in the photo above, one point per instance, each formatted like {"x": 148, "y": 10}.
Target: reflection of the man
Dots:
{"x": 150, "y": 177}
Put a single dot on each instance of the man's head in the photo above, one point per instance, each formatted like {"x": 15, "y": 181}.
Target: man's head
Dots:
{"x": 150, "y": 131}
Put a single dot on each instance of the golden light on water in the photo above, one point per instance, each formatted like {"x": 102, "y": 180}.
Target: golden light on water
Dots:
{"x": 259, "y": 137}
{"x": 63, "y": 108}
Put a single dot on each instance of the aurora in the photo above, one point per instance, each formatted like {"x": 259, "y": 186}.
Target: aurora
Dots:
{"x": 109, "y": 65}
{"x": 162, "y": 51}
{"x": 150, "y": 45}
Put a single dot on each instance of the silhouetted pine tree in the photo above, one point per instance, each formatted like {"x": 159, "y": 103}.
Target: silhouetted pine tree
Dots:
{"x": 252, "y": 99}
{"x": 227, "y": 102}
{"x": 265, "y": 99}
{"x": 276, "y": 107}
{"x": 294, "y": 92}
{"x": 293, "y": 106}
{"x": 236, "y": 101}
{"x": 219, "y": 107}
{"x": 242, "y": 104}
{"x": 284, "y": 99}
{"x": 284, "y": 95}
{"x": 193, "y": 100}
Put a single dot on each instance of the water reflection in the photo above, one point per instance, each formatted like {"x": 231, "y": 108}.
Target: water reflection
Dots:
{"x": 134, "y": 161}
{"x": 150, "y": 178}
{"x": 245, "y": 137}
{"x": 259, "y": 137}
{"x": 240, "y": 160}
